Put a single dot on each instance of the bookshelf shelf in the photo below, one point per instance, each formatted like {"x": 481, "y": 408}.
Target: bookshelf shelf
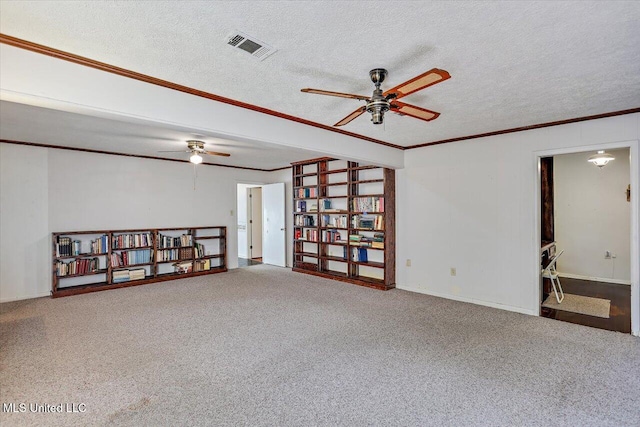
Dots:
{"x": 125, "y": 267}
{"x": 335, "y": 258}
{"x": 210, "y": 256}
{"x": 168, "y": 248}
{"x": 131, "y": 248}
{"x": 347, "y": 196}
{"x": 88, "y": 255}
{"x": 120, "y": 245}
{"x": 89, "y": 273}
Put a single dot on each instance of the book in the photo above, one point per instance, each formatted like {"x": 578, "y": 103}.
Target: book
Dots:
{"x": 362, "y": 255}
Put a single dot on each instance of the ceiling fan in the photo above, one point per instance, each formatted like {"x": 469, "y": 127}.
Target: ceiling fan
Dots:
{"x": 196, "y": 148}
{"x": 381, "y": 102}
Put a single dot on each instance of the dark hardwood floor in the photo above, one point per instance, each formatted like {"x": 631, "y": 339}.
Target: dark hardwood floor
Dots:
{"x": 245, "y": 262}
{"x": 620, "y": 296}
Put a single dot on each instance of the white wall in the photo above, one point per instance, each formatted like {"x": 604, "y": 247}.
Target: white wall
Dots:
{"x": 472, "y": 205}
{"x": 592, "y": 215}
{"x": 25, "y": 244}
{"x": 48, "y": 190}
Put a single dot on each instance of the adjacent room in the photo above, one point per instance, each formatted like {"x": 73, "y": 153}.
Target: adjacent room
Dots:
{"x": 589, "y": 242}
{"x": 319, "y": 213}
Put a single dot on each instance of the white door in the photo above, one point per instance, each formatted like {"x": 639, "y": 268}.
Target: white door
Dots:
{"x": 273, "y": 230}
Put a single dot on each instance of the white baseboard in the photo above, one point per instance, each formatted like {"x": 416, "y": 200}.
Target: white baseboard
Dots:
{"x": 595, "y": 279}
{"x": 23, "y": 297}
{"x": 470, "y": 300}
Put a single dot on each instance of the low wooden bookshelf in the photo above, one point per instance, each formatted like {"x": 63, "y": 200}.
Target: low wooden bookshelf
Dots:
{"x": 90, "y": 261}
{"x": 344, "y": 222}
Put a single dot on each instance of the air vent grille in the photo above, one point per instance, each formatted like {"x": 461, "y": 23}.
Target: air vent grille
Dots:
{"x": 251, "y": 45}
{"x": 236, "y": 40}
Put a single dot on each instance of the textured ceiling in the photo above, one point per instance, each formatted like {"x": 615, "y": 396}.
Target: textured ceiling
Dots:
{"x": 512, "y": 63}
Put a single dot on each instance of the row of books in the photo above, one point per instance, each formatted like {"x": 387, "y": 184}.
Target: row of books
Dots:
{"x": 310, "y": 235}
{"x": 173, "y": 242}
{"x": 141, "y": 256}
{"x": 334, "y": 221}
{"x": 326, "y": 206}
{"x": 78, "y": 266}
{"x": 100, "y": 245}
{"x": 302, "y": 206}
{"x": 120, "y": 276}
{"x": 199, "y": 250}
{"x": 202, "y": 265}
{"x": 374, "y": 222}
{"x": 174, "y": 254}
{"x": 367, "y": 204}
{"x": 305, "y": 220}
{"x": 305, "y": 193}
{"x": 126, "y": 241}
{"x": 377, "y": 241}
{"x": 66, "y": 247}
{"x": 330, "y": 236}
{"x": 359, "y": 255}
{"x": 191, "y": 266}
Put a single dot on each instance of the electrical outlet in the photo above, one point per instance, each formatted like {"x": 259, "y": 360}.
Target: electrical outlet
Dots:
{"x": 453, "y": 271}
{"x": 607, "y": 254}
{"x": 408, "y": 263}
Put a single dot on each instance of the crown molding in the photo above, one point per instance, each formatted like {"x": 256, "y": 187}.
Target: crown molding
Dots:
{"x": 140, "y": 156}
{"x": 77, "y": 59}
{"x": 87, "y": 62}
{"x": 523, "y": 128}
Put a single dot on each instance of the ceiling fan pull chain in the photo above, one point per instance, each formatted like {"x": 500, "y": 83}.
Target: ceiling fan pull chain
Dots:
{"x": 195, "y": 175}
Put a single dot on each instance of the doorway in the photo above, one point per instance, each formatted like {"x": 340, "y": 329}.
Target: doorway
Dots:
{"x": 585, "y": 233}
{"x": 260, "y": 224}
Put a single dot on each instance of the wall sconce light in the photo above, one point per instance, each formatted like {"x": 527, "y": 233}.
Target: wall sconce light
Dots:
{"x": 601, "y": 159}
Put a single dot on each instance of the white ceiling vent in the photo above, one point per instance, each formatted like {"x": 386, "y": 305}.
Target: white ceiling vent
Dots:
{"x": 251, "y": 45}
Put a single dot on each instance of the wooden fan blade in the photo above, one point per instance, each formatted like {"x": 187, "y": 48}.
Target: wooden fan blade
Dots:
{"x": 340, "y": 94}
{"x": 427, "y": 79}
{"x": 413, "y": 111}
{"x": 215, "y": 153}
{"x": 350, "y": 117}
{"x": 174, "y": 151}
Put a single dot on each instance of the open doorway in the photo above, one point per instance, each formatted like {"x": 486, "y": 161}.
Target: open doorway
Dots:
{"x": 586, "y": 240}
{"x": 249, "y": 208}
{"x": 261, "y": 224}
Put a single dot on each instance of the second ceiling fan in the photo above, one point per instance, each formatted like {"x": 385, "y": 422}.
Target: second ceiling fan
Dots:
{"x": 196, "y": 148}
{"x": 381, "y": 102}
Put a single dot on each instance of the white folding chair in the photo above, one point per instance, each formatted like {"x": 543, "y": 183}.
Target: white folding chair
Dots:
{"x": 550, "y": 272}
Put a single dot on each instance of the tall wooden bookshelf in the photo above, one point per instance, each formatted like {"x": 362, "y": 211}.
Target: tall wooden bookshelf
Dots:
{"x": 344, "y": 222}
{"x": 90, "y": 261}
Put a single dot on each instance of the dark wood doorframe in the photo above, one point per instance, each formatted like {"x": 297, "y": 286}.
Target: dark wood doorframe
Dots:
{"x": 546, "y": 201}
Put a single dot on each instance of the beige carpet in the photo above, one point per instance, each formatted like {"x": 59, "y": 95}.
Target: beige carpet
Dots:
{"x": 597, "y": 307}
{"x": 263, "y": 346}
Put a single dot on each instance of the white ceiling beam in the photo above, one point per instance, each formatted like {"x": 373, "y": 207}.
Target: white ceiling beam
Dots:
{"x": 44, "y": 81}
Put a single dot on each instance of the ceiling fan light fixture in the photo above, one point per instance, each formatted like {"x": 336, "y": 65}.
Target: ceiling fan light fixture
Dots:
{"x": 195, "y": 158}
{"x": 601, "y": 158}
